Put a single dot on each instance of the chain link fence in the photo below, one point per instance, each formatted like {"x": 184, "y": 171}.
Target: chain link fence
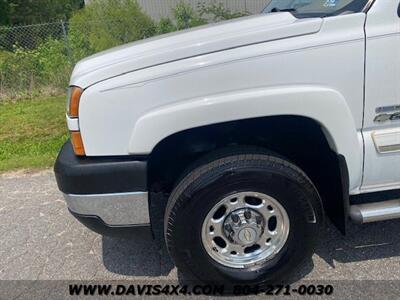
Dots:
{"x": 30, "y": 36}
{"x": 36, "y": 60}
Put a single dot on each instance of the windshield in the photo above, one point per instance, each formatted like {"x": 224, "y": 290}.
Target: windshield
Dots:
{"x": 316, "y": 8}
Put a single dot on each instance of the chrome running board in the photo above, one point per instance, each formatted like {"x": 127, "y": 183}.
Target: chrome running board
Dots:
{"x": 374, "y": 212}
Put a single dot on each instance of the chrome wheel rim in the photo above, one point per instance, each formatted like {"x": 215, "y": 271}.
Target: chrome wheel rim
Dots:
{"x": 245, "y": 229}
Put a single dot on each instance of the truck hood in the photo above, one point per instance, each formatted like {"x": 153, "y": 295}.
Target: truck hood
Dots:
{"x": 189, "y": 43}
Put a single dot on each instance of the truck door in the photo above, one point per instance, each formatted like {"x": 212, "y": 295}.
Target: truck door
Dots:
{"x": 381, "y": 130}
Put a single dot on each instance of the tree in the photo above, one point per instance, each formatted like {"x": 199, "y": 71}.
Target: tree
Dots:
{"x": 26, "y": 12}
{"x": 108, "y": 23}
{"x": 4, "y": 13}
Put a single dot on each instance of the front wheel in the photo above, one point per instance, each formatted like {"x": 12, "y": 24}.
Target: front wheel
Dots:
{"x": 244, "y": 218}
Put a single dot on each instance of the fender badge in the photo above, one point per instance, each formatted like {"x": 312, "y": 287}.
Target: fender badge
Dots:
{"x": 387, "y": 113}
{"x": 386, "y": 109}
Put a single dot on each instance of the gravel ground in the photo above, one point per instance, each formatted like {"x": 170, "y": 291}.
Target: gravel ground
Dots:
{"x": 40, "y": 240}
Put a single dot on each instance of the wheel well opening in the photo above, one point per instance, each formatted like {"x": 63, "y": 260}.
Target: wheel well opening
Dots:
{"x": 299, "y": 139}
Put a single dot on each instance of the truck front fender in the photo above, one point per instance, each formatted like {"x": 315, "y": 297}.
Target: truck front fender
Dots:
{"x": 326, "y": 106}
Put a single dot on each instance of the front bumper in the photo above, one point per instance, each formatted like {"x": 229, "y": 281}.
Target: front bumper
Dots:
{"x": 108, "y": 195}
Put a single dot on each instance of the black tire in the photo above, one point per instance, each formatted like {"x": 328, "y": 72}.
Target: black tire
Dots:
{"x": 216, "y": 177}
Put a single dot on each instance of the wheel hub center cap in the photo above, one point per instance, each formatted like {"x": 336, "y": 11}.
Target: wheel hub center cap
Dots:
{"x": 244, "y": 226}
{"x": 247, "y": 235}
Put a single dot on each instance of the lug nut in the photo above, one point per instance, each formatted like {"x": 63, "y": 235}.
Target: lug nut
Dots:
{"x": 235, "y": 218}
{"x": 228, "y": 227}
{"x": 247, "y": 214}
{"x": 258, "y": 220}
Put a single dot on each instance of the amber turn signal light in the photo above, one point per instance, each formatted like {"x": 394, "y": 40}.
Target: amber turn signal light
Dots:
{"x": 77, "y": 143}
{"x": 74, "y": 98}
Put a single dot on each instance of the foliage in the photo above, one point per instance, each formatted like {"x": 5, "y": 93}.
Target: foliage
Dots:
{"x": 31, "y": 132}
{"x": 26, "y": 72}
{"x": 53, "y": 63}
{"x": 217, "y": 12}
{"x": 108, "y": 23}
{"x": 4, "y": 13}
{"x": 165, "y": 25}
{"x": 24, "y": 12}
{"x": 19, "y": 71}
{"x": 186, "y": 17}
{"x": 22, "y": 18}
{"x": 3, "y": 56}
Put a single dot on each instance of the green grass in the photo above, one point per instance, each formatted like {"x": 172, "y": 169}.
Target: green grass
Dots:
{"x": 31, "y": 133}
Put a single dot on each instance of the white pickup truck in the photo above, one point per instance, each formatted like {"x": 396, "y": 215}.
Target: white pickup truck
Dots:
{"x": 254, "y": 129}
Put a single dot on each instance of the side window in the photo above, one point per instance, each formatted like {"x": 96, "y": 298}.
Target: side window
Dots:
{"x": 293, "y": 4}
{"x": 316, "y": 8}
{"x": 284, "y": 4}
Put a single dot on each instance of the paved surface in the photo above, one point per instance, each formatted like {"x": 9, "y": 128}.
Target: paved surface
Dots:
{"x": 41, "y": 240}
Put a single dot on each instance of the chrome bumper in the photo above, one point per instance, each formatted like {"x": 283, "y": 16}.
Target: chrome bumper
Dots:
{"x": 120, "y": 209}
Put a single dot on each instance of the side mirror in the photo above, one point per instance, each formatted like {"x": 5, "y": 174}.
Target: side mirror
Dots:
{"x": 398, "y": 10}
